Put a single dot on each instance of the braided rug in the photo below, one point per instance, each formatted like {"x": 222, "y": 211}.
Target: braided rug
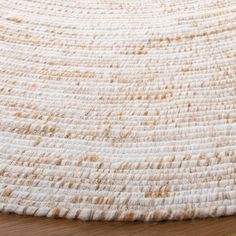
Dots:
{"x": 118, "y": 109}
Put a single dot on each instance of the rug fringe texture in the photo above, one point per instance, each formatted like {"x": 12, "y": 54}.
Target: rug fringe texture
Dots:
{"x": 118, "y": 110}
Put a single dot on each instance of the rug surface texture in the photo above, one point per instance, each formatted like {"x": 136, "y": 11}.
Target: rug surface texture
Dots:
{"x": 118, "y": 109}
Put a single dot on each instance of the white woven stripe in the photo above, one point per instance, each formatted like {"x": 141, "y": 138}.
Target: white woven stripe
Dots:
{"x": 118, "y": 110}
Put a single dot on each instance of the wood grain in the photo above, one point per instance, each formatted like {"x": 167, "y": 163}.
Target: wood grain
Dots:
{"x": 14, "y": 225}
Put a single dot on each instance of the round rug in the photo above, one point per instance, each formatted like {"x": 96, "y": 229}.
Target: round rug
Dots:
{"x": 118, "y": 110}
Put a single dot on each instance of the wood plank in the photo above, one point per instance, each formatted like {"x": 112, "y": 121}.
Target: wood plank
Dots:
{"x": 14, "y": 225}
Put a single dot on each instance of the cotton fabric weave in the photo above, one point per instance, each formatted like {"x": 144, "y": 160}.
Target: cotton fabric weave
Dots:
{"x": 118, "y": 110}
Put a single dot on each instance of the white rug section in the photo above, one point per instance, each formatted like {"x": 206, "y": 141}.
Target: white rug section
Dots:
{"x": 118, "y": 110}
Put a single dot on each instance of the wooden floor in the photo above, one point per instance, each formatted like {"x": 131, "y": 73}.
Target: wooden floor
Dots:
{"x": 13, "y": 225}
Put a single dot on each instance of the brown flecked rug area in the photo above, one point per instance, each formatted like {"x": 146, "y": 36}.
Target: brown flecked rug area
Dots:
{"x": 118, "y": 110}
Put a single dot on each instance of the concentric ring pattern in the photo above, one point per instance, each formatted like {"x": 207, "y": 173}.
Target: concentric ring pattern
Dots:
{"x": 118, "y": 110}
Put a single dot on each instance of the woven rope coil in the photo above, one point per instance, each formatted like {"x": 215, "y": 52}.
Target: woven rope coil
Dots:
{"x": 118, "y": 110}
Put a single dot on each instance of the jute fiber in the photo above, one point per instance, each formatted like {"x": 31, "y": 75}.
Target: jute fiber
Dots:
{"x": 118, "y": 109}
